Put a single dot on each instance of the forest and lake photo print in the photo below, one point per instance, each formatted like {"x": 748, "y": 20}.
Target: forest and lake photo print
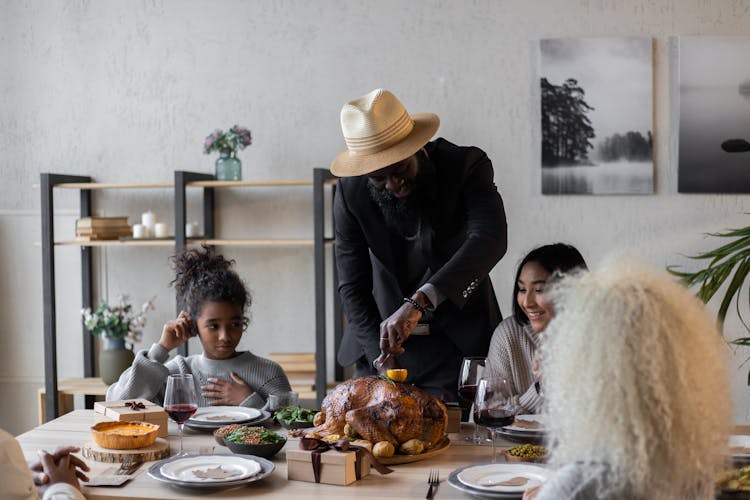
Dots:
{"x": 596, "y": 115}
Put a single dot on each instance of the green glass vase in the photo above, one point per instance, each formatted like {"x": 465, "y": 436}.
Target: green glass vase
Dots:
{"x": 114, "y": 359}
{"x": 228, "y": 167}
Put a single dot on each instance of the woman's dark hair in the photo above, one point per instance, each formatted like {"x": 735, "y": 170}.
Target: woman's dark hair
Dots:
{"x": 554, "y": 258}
{"x": 201, "y": 276}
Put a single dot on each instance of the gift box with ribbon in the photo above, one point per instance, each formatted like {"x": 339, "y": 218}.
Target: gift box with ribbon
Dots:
{"x": 133, "y": 410}
{"x": 454, "y": 417}
{"x": 337, "y": 462}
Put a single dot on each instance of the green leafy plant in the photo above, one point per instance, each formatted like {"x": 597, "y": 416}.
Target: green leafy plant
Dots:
{"x": 117, "y": 321}
{"x": 227, "y": 143}
{"x": 722, "y": 262}
{"x": 295, "y": 414}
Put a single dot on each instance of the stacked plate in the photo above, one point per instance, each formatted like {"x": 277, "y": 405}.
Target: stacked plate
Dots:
{"x": 499, "y": 480}
{"x": 739, "y": 445}
{"x": 211, "y": 471}
{"x": 525, "y": 429}
{"x": 210, "y": 418}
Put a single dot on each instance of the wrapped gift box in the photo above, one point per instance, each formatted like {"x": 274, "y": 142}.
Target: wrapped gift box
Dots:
{"x": 119, "y": 410}
{"x": 454, "y": 418}
{"x": 336, "y": 467}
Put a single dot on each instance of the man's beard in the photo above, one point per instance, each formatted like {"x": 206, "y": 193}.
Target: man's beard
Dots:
{"x": 402, "y": 214}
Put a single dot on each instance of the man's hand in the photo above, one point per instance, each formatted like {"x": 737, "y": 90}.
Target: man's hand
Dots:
{"x": 177, "y": 331}
{"x": 397, "y": 327}
{"x": 383, "y": 363}
{"x": 41, "y": 477}
{"x": 226, "y": 392}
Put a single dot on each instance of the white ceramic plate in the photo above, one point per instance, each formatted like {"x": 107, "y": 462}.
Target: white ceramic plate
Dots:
{"x": 486, "y": 477}
{"x": 539, "y": 419}
{"x": 266, "y": 469}
{"x": 740, "y": 446}
{"x": 193, "y": 469}
{"x": 224, "y": 415}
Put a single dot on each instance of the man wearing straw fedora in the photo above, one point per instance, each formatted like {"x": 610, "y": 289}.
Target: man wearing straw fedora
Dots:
{"x": 418, "y": 226}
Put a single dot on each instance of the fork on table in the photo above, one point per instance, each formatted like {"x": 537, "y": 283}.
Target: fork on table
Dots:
{"x": 128, "y": 467}
{"x": 433, "y": 480}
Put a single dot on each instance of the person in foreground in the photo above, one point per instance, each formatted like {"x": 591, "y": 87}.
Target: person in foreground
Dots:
{"x": 637, "y": 389}
{"x": 419, "y": 225}
{"x": 215, "y": 300}
{"x": 53, "y": 477}
{"x": 514, "y": 345}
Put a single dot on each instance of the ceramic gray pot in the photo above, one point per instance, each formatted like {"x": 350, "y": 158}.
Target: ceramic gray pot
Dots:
{"x": 114, "y": 359}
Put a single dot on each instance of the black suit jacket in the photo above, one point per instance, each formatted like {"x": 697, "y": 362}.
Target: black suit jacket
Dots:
{"x": 464, "y": 234}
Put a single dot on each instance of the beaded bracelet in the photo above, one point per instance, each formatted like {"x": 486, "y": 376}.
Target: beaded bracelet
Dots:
{"x": 416, "y": 305}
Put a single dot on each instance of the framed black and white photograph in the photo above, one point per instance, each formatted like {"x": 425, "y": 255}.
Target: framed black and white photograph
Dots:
{"x": 714, "y": 96}
{"x": 597, "y": 115}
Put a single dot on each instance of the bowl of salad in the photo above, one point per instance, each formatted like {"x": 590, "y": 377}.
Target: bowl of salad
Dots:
{"x": 294, "y": 417}
{"x": 252, "y": 440}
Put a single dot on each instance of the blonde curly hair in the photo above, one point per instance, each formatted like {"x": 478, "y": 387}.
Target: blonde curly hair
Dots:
{"x": 635, "y": 378}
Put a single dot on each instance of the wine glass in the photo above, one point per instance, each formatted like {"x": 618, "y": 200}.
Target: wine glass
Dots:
{"x": 494, "y": 406}
{"x": 472, "y": 368}
{"x": 180, "y": 401}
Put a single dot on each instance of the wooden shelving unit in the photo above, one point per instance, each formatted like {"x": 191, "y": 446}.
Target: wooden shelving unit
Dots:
{"x": 183, "y": 180}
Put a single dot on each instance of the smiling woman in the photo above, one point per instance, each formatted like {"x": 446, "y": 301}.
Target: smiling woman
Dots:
{"x": 215, "y": 299}
{"x": 514, "y": 344}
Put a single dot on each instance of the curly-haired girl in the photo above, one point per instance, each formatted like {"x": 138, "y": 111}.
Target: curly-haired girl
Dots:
{"x": 638, "y": 400}
{"x": 214, "y": 300}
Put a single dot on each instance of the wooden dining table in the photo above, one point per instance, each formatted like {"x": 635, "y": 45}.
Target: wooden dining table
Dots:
{"x": 406, "y": 481}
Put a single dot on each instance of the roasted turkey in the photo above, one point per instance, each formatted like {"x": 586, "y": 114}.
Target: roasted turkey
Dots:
{"x": 383, "y": 410}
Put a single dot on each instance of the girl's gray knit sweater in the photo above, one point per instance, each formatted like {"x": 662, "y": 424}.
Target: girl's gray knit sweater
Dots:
{"x": 147, "y": 377}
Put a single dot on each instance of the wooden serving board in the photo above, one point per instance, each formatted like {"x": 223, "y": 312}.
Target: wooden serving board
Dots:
{"x": 157, "y": 451}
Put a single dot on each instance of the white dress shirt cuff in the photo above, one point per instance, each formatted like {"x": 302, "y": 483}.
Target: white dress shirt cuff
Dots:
{"x": 435, "y": 296}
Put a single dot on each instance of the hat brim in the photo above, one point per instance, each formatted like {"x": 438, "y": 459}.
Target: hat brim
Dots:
{"x": 348, "y": 164}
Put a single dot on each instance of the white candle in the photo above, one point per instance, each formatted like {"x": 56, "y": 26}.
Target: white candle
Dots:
{"x": 139, "y": 231}
{"x": 191, "y": 229}
{"x": 148, "y": 219}
{"x": 160, "y": 230}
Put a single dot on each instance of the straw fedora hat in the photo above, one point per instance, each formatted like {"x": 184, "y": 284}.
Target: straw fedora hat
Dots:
{"x": 379, "y": 132}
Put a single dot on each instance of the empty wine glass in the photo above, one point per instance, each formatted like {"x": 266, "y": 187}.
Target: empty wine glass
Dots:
{"x": 180, "y": 401}
{"x": 472, "y": 369}
{"x": 494, "y": 406}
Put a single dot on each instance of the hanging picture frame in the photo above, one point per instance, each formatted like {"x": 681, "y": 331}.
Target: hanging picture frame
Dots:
{"x": 713, "y": 80}
{"x": 596, "y": 115}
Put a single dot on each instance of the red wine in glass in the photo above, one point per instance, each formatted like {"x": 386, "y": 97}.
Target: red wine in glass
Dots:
{"x": 180, "y": 413}
{"x": 468, "y": 392}
{"x": 494, "y": 417}
{"x": 494, "y": 406}
{"x": 472, "y": 368}
{"x": 180, "y": 399}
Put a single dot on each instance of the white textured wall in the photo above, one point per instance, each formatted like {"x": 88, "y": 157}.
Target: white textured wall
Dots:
{"x": 126, "y": 91}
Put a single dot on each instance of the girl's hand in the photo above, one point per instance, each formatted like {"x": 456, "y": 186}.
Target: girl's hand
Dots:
{"x": 177, "y": 331}
{"x": 63, "y": 470}
{"x": 226, "y": 392}
{"x": 531, "y": 493}
{"x": 536, "y": 367}
{"x": 41, "y": 477}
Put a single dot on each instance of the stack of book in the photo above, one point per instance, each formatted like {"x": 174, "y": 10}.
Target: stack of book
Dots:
{"x": 102, "y": 228}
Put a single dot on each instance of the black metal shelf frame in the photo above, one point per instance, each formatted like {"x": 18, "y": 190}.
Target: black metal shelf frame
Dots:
{"x": 181, "y": 182}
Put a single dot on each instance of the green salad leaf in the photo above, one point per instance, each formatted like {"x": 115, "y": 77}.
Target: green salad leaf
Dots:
{"x": 295, "y": 414}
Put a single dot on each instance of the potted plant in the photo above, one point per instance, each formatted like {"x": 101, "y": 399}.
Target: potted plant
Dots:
{"x": 116, "y": 324}
{"x": 728, "y": 264}
{"x": 228, "y": 166}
